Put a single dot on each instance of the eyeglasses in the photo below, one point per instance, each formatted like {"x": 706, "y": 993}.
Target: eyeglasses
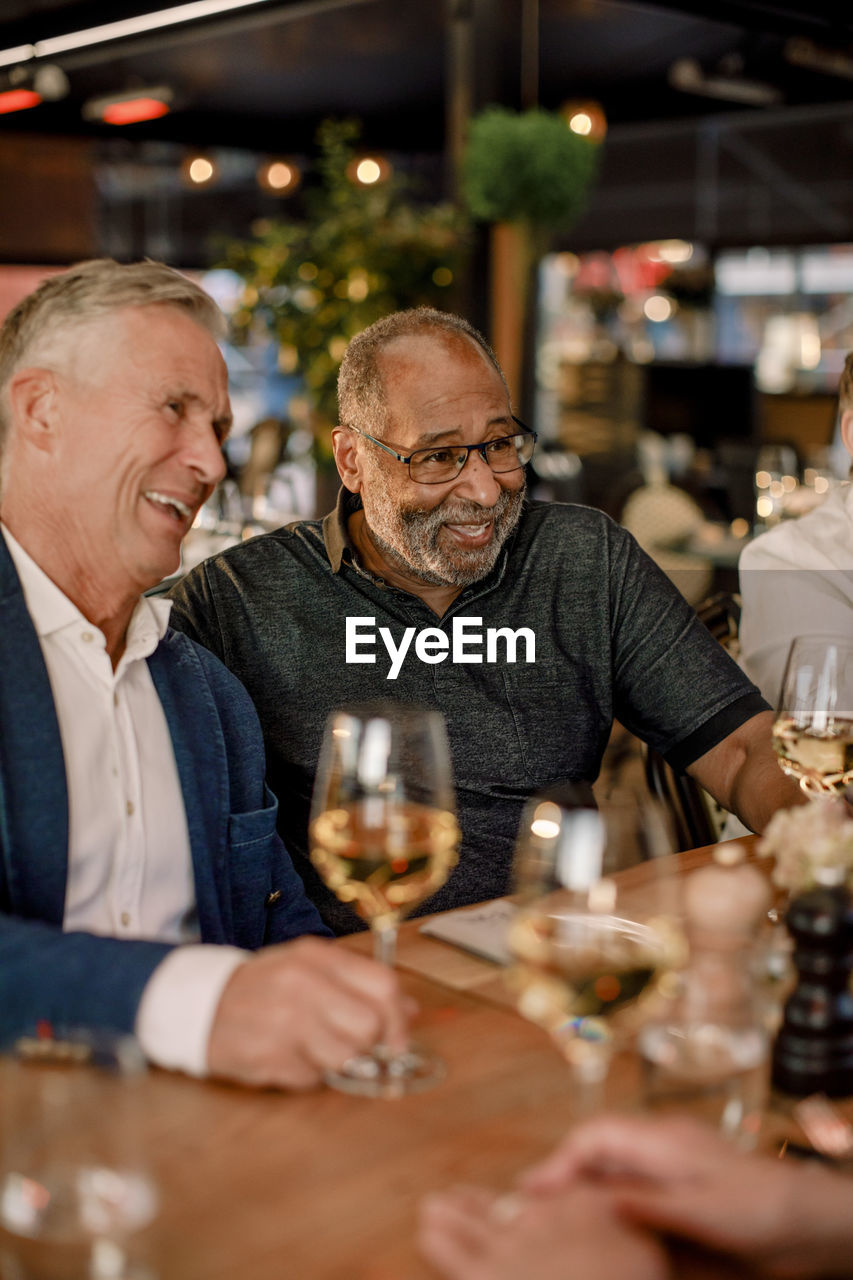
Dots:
{"x": 445, "y": 462}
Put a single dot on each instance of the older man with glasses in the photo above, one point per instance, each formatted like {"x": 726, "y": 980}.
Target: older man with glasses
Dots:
{"x": 529, "y": 625}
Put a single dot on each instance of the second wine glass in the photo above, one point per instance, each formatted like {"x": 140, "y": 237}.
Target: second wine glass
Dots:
{"x": 384, "y": 837}
{"x": 583, "y": 961}
{"x": 813, "y": 731}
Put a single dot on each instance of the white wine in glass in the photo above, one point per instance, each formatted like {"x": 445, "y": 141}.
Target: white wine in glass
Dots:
{"x": 813, "y": 730}
{"x": 383, "y": 837}
{"x": 583, "y": 969}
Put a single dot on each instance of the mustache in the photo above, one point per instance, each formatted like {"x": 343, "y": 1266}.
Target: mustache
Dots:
{"x": 455, "y": 512}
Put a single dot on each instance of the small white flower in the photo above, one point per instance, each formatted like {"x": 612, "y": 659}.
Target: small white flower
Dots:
{"x": 807, "y": 838}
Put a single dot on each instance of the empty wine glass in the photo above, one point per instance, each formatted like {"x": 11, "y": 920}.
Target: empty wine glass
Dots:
{"x": 583, "y": 963}
{"x": 74, "y": 1186}
{"x": 383, "y": 837}
{"x": 813, "y": 730}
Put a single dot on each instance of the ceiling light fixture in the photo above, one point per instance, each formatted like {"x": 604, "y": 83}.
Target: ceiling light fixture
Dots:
{"x": 134, "y": 111}
{"x": 123, "y": 28}
{"x": 131, "y": 107}
{"x": 687, "y": 75}
{"x": 25, "y": 87}
{"x": 829, "y": 62}
{"x": 18, "y": 100}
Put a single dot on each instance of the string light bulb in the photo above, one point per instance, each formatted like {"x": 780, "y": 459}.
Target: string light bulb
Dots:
{"x": 199, "y": 170}
{"x": 368, "y": 171}
{"x": 279, "y": 177}
{"x": 586, "y": 119}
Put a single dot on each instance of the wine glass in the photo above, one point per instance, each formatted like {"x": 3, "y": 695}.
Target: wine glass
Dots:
{"x": 813, "y": 730}
{"x": 775, "y": 479}
{"x": 74, "y": 1185}
{"x": 383, "y": 837}
{"x": 586, "y": 968}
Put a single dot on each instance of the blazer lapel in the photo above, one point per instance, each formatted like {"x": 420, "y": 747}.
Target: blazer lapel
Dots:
{"x": 33, "y": 794}
{"x": 201, "y": 758}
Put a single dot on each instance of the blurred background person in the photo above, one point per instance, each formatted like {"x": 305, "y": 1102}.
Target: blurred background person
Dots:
{"x": 797, "y": 578}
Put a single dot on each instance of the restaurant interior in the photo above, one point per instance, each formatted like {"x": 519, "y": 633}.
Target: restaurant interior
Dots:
{"x": 693, "y": 306}
{"x": 663, "y": 263}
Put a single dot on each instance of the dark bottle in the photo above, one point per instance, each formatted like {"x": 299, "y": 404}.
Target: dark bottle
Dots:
{"x": 814, "y": 1048}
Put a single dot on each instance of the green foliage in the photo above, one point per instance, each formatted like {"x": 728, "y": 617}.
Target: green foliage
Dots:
{"x": 528, "y": 167}
{"x": 358, "y": 254}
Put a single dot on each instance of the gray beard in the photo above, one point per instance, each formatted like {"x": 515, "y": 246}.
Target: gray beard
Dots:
{"x": 409, "y": 538}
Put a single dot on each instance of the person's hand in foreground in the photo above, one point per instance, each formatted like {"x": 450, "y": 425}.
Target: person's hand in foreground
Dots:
{"x": 296, "y": 1010}
{"x": 781, "y": 1218}
{"x": 575, "y": 1234}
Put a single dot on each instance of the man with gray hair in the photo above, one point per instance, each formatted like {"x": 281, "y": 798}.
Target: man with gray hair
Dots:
{"x": 528, "y": 625}
{"x": 135, "y": 826}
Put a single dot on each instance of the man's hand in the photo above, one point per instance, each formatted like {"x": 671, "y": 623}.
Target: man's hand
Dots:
{"x": 684, "y": 1180}
{"x": 463, "y": 1235}
{"x": 296, "y": 1010}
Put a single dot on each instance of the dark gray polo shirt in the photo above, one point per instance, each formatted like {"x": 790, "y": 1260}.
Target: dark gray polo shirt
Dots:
{"x": 611, "y": 638}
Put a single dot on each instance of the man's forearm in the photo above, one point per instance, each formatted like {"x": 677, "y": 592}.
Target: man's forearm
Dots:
{"x": 759, "y": 789}
{"x": 742, "y": 774}
{"x": 70, "y": 979}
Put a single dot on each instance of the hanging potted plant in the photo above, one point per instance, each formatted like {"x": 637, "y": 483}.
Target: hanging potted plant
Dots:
{"x": 529, "y": 175}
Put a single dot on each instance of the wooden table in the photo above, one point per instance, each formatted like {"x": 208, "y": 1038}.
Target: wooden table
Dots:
{"x": 323, "y": 1186}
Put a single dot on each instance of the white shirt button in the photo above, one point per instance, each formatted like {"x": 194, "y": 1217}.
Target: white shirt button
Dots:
{"x": 130, "y": 808}
{"x": 125, "y": 918}
{"x": 87, "y": 636}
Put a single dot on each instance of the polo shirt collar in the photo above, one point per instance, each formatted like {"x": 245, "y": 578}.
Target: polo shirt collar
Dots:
{"x": 339, "y": 545}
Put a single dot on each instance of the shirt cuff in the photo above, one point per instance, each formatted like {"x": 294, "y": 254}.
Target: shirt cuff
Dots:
{"x": 179, "y": 1003}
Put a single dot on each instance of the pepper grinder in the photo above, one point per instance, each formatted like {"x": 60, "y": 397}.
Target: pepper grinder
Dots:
{"x": 813, "y": 1052}
{"x": 709, "y": 1050}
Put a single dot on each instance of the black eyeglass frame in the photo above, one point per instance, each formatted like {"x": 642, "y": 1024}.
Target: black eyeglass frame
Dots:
{"x": 480, "y": 448}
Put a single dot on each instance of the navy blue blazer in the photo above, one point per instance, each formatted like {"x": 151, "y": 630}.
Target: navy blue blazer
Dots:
{"x": 247, "y": 891}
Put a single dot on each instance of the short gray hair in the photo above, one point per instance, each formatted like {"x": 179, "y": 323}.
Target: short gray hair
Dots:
{"x": 86, "y": 292}
{"x": 361, "y": 392}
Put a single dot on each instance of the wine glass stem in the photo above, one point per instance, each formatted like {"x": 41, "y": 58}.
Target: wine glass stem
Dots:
{"x": 590, "y": 1066}
{"x": 385, "y": 945}
{"x": 385, "y": 951}
{"x": 108, "y": 1260}
{"x": 588, "y": 1097}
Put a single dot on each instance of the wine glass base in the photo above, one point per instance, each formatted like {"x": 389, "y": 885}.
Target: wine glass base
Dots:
{"x": 380, "y": 1075}
{"x": 25, "y": 1258}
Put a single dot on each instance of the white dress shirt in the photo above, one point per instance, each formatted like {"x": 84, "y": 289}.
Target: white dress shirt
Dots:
{"x": 796, "y": 580}
{"x": 130, "y": 869}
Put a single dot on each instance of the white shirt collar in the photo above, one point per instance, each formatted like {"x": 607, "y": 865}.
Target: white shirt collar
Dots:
{"x": 52, "y": 611}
